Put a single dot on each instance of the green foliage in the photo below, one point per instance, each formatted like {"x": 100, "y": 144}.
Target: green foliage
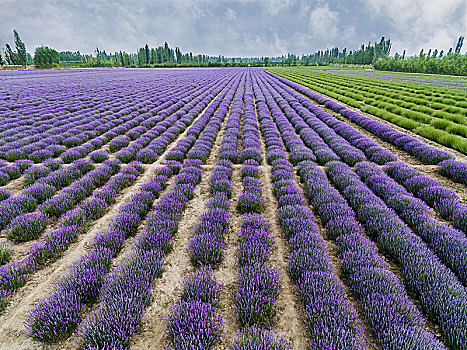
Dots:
{"x": 443, "y": 137}
{"x": 419, "y": 117}
{"x": 457, "y": 118}
{"x": 450, "y": 127}
{"x": 20, "y": 50}
{"x": 452, "y": 64}
{"x": 45, "y": 57}
{"x": 5, "y": 253}
{"x": 10, "y": 55}
{"x": 403, "y": 122}
{"x": 18, "y": 57}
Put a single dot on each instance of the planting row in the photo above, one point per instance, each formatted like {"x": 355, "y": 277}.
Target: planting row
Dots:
{"x": 73, "y": 223}
{"x": 332, "y": 320}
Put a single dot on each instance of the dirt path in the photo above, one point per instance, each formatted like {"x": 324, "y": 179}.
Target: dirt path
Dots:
{"x": 15, "y": 186}
{"x": 290, "y": 315}
{"x": 228, "y": 270}
{"x": 39, "y": 285}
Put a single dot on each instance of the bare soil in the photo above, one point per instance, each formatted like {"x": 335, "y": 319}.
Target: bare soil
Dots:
{"x": 227, "y": 272}
{"x": 290, "y": 315}
{"x": 15, "y": 186}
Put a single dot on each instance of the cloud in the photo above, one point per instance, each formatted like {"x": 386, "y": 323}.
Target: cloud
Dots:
{"x": 323, "y": 22}
{"x": 230, "y": 14}
{"x": 233, "y": 27}
{"x": 417, "y": 24}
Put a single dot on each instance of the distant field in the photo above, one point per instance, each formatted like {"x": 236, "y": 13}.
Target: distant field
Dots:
{"x": 435, "y": 80}
{"x": 231, "y": 209}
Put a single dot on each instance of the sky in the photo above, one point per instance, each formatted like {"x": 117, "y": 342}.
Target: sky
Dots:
{"x": 234, "y": 28}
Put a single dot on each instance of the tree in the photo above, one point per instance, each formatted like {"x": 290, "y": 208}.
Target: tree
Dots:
{"x": 460, "y": 41}
{"x": 98, "y": 55}
{"x": 45, "y": 57}
{"x": 20, "y": 49}
{"x": 146, "y": 53}
{"x": 11, "y": 56}
{"x": 1, "y": 60}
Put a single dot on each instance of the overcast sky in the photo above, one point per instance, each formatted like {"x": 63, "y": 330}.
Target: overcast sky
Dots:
{"x": 234, "y": 27}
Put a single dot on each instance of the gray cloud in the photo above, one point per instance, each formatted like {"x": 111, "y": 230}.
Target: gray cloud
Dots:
{"x": 235, "y": 27}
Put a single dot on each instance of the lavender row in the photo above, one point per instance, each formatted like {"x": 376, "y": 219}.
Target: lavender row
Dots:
{"x": 442, "y": 296}
{"x": 207, "y": 245}
{"x": 454, "y": 169}
{"x": 372, "y": 150}
{"x": 442, "y": 199}
{"x": 251, "y": 200}
{"x": 302, "y": 119}
{"x": 415, "y": 147}
{"x": 53, "y": 243}
{"x": 394, "y": 319}
{"x": 126, "y": 292}
{"x": 332, "y": 321}
{"x": 56, "y": 316}
{"x": 450, "y": 245}
{"x": 194, "y": 322}
{"x": 258, "y": 282}
{"x": 44, "y": 189}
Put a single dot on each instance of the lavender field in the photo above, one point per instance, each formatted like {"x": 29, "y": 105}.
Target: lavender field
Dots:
{"x": 221, "y": 208}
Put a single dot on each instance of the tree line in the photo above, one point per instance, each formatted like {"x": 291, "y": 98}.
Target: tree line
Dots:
{"x": 44, "y": 57}
{"x": 432, "y": 62}
{"x": 376, "y": 54}
{"x": 367, "y": 54}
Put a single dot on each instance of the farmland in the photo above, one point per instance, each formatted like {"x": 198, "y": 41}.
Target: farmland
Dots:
{"x": 233, "y": 208}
